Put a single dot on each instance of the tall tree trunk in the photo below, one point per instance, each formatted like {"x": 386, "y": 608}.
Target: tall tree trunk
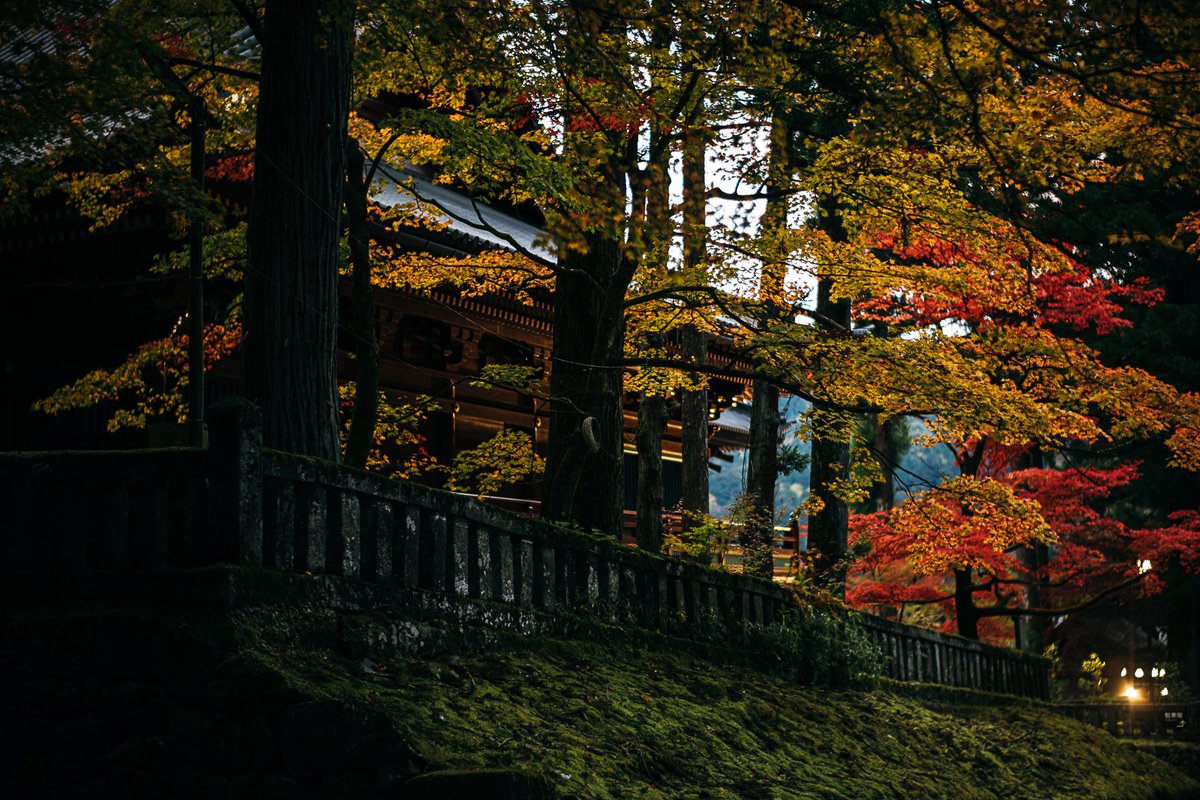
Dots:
{"x": 762, "y": 472}
{"x": 828, "y": 527}
{"x": 1028, "y": 629}
{"x": 694, "y": 499}
{"x": 966, "y": 613}
{"x": 366, "y": 337}
{"x": 830, "y": 463}
{"x": 656, "y": 230}
{"x": 694, "y": 343}
{"x": 584, "y": 480}
{"x": 883, "y": 493}
{"x": 652, "y": 418}
{"x": 1184, "y": 633}
{"x": 289, "y": 354}
{"x": 586, "y": 419}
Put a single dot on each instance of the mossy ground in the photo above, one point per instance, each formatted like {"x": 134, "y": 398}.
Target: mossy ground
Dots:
{"x": 606, "y": 719}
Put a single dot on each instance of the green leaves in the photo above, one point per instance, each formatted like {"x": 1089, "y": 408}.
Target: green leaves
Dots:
{"x": 504, "y": 460}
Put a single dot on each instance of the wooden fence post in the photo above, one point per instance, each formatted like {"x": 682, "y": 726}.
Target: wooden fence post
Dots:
{"x": 236, "y": 482}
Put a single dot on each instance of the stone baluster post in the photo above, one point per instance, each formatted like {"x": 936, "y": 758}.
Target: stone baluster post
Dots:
{"x": 235, "y": 523}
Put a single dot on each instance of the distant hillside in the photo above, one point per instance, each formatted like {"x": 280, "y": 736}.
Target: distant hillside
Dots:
{"x": 920, "y": 468}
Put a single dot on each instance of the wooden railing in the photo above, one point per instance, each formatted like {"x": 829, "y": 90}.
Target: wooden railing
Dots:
{"x": 239, "y": 503}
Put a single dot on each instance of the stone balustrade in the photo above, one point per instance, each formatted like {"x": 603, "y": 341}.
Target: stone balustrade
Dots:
{"x": 239, "y": 503}
{"x": 919, "y": 654}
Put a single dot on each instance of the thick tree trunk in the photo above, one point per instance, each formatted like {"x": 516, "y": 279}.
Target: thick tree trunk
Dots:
{"x": 584, "y": 463}
{"x": 828, "y": 527}
{"x": 1028, "y": 629}
{"x": 289, "y": 354}
{"x": 366, "y": 337}
{"x": 652, "y": 418}
{"x": 586, "y": 421}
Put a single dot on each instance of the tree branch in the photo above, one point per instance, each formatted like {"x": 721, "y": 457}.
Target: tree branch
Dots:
{"x": 997, "y": 611}
{"x": 234, "y": 71}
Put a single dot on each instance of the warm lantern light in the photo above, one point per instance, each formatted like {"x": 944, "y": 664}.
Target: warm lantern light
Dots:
{"x": 1144, "y": 566}
{"x": 1137, "y": 673}
{"x": 1164, "y": 692}
{"x": 1132, "y": 693}
{"x": 1124, "y": 672}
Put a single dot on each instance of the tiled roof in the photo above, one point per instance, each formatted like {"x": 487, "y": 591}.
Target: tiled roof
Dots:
{"x": 479, "y": 225}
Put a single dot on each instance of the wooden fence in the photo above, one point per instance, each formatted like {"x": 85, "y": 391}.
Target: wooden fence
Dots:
{"x": 239, "y": 503}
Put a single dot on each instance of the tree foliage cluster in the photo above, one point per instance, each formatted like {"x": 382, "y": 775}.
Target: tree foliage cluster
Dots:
{"x": 876, "y": 202}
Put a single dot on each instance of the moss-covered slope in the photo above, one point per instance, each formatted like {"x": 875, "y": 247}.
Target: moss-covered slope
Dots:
{"x": 169, "y": 696}
{"x": 614, "y": 720}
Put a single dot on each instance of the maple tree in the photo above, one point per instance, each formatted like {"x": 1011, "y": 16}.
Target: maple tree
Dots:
{"x": 101, "y": 108}
{"x": 1022, "y": 330}
{"x": 958, "y": 549}
{"x": 924, "y": 137}
{"x": 935, "y": 187}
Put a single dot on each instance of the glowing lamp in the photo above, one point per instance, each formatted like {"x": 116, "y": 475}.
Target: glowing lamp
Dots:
{"x": 1144, "y": 566}
{"x": 1137, "y": 673}
{"x": 1124, "y": 672}
{"x": 1131, "y": 693}
{"x": 1164, "y": 692}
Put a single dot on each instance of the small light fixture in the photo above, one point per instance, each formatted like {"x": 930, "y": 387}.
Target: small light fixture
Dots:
{"x": 1137, "y": 673}
{"x": 1124, "y": 671}
{"x": 1164, "y": 692}
{"x": 1154, "y": 672}
{"x": 1144, "y": 566}
{"x": 1131, "y": 693}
